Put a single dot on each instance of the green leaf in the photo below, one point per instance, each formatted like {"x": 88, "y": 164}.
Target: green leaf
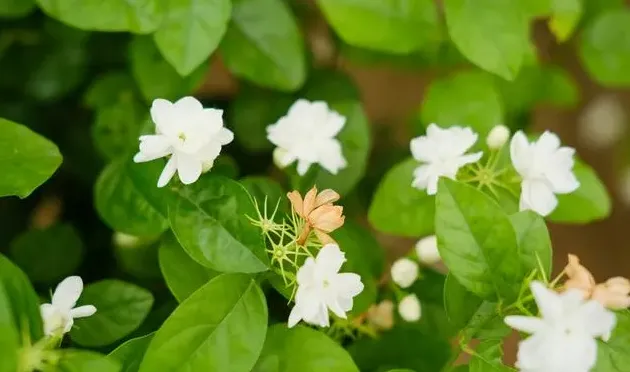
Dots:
{"x": 23, "y": 301}
{"x": 614, "y": 355}
{"x": 398, "y": 208}
{"x": 84, "y": 361}
{"x": 16, "y": 8}
{"x": 141, "y": 16}
{"x": 263, "y": 44}
{"x": 394, "y": 26}
{"x": 191, "y": 31}
{"x": 130, "y": 353}
{"x": 9, "y": 336}
{"x": 492, "y": 34}
{"x": 209, "y": 219}
{"x": 252, "y": 111}
{"x": 361, "y": 253}
{"x": 604, "y": 50}
{"x": 302, "y": 349}
{"x": 467, "y": 99}
{"x": 263, "y": 188}
{"x": 156, "y": 78}
{"x": 183, "y": 275}
{"x": 120, "y": 309}
{"x": 355, "y": 142}
{"x": 488, "y": 357}
{"x": 127, "y": 198}
{"x": 404, "y": 346}
{"x": 29, "y": 158}
{"x": 429, "y": 288}
{"x": 477, "y": 241}
{"x": 219, "y": 328}
{"x": 565, "y": 17}
{"x": 117, "y": 126}
{"x": 50, "y": 254}
{"x": 534, "y": 243}
{"x": 108, "y": 89}
{"x": 460, "y": 304}
{"x": 590, "y": 202}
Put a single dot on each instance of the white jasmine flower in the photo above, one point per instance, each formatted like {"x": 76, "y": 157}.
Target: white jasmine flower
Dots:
{"x": 427, "y": 250}
{"x": 442, "y": 152}
{"x": 59, "y": 315}
{"x": 563, "y": 339}
{"x": 546, "y": 169}
{"x": 307, "y": 135}
{"x": 497, "y": 137}
{"x": 404, "y": 272}
{"x": 191, "y": 135}
{"x": 321, "y": 288}
{"x": 409, "y": 308}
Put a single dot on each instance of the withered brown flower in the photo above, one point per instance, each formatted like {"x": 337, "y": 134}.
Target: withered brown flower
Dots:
{"x": 318, "y": 211}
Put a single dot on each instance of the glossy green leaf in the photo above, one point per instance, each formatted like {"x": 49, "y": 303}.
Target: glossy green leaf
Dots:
{"x": 29, "y": 158}
{"x": 84, "y": 361}
{"x": 48, "y": 255}
{"x": 565, "y": 17}
{"x": 467, "y": 99}
{"x": 398, "y": 208}
{"x": 614, "y": 355}
{"x": 604, "y": 49}
{"x": 404, "y": 346}
{"x": 127, "y": 198}
{"x": 116, "y": 127}
{"x": 156, "y": 78}
{"x": 492, "y": 34}
{"x": 263, "y": 44}
{"x": 16, "y": 8}
{"x": 590, "y": 202}
{"x": 302, "y": 349}
{"x": 191, "y": 31}
{"x": 459, "y": 303}
{"x": 394, "y": 26}
{"x": 23, "y": 301}
{"x": 534, "y": 243}
{"x": 141, "y": 16}
{"x": 489, "y": 357}
{"x": 252, "y": 111}
{"x": 183, "y": 275}
{"x": 219, "y": 328}
{"x": 209, "y": 219}
{"x": 130, "y": 353}
{"x": 108, "y": 89}
{"x": 120, "y": 309}
{"x": 9, "y": 336}
{"x": 477, "y": 242}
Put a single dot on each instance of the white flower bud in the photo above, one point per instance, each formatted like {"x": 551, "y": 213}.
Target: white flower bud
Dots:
{"x": 427, "y": 250}
{"x": 404, "y": 272}
{"x": 123, "y": 240}
{"x": 497, "y": 137}
{"x": 409, "y": 308}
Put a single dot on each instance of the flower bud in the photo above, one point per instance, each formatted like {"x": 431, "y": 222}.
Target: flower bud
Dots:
{"x": 409, "y": 308}
{"x": 614, "y": 294}
{"x": 497, "y": 137}
{"x": 382, "y": 315}
{"x": 404, "y": 272}
{"x": 427, "y": 250}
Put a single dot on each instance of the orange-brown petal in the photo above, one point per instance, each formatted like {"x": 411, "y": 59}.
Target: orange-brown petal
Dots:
{"x": 309, "y": 201}
{"x": 296, "y": 202}
{"x": 579, "y": 276}
{"x": 327, "y": 218}
{"x": 614, "y": 294}
{"x": 326, "y": 197}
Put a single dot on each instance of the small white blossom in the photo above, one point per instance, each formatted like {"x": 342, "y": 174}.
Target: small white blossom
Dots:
{"x": 497, "y": 137}
{"x": 546, "y": 169}
{"x": 427, "y": 250}
{"x": 321, "y": 288}
{"x": 409, "y": 308}
{"x": 191, "y": 135}
{"x": 442, "y": 151}
{"x": 307, "y": 134}
{"x": 59, "y": 315}
{"x": 404, "y": 272}
{"x": 564, "y": 338}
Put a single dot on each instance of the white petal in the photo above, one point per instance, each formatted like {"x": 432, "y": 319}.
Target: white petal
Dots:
{"x": 300, "y": 107}
{"x": 83, "y": 311}
{"x": 423, "y": 149}
{"x": 333, "y": 125}
{"x": 168, "y": 172}
{"x": 282, "y": 158}
{"x": 526, "y": 324}
{"x": 469, "y": 158}
{"x": 519, "y": 152}
{"x": 598, "y": 321}
{"x": 549, "y": 302}
{"x": 306, "y": 273}
{"x": 67, "y": 293}
{"x": 189, "y": 168}
{"x": 295, "y": 316}
{"x": 210, "y": 120}
{"x": 348, "y": 285}
{"x": 188, "y": 103}
{"x": 330, "y": 258}
{"x": 225, "y": 136}
{"x": 209, "y": 152}
{"x": 69, "y": 324}
{"x": 547, "y": 143}
{"x": 162, "y": 115}
{"x": 303, "y": 166}
{"x": 155, "y": 145}
{"x": 538, "y": 196}
{"x": 432, "y": 185}
{"x": 331, "y": 157}
{"x": 421, "y": 177}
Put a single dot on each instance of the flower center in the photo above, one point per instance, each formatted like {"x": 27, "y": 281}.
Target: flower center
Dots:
{"x": 182, "y": 136}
